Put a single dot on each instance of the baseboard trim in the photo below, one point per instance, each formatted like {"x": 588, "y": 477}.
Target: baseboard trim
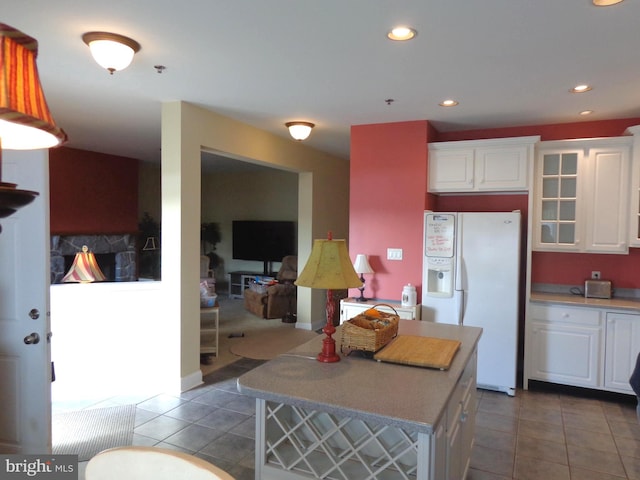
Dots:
{"x": 190, "y": 381}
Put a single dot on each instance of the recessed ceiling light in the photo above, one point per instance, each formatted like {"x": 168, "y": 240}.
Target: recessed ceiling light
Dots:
{"x": 401, "y": 33}
{"x": 586, "y": 112}
{"x": 581, "y": 88}
{"x": 448, "y": 103}
{"x": 605, "y": 3}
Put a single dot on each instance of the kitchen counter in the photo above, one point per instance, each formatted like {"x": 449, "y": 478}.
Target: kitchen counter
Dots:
{"x": 578, "y": 300}
{"x": 309, "y": 409}
{"x": 392, "y": 394}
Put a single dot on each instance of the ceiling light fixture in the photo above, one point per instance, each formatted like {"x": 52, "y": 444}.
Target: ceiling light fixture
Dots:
{"x": 605, "y": 3}
{"x": 110, "y": 50}
{"x": 581, "y": 88}
{"x": 401, "y": 33}
{"x": 299, "y": 130}
{"x": 448, "y": 103}
{"x": 586, "y": 112}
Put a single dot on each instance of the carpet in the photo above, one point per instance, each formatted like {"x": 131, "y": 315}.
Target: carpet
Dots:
{"x": 87, "y": 432}
{"x": 268, "y": 344}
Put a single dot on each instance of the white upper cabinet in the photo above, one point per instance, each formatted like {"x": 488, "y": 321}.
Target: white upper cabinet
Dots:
{"x": 634, "y": 210}
{"x": 495, "y": 165}
{"x": 581, "y": 195}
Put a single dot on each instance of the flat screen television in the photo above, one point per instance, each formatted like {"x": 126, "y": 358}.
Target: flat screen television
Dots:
{"x": 263, "y": 240}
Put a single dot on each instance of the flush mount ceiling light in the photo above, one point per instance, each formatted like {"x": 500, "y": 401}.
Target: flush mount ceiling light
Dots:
{"x": 299, "y": 130}
{"x": 110, "y": 50}
{"x": 401, "y": 33}
{"x": 581, "y": 88}
{"x": 586, "y": 112}
{"x": 605, "y": 3}
{"x": 448, "y": 103}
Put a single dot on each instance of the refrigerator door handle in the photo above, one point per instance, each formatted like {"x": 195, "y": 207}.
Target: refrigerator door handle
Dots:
{"x": 459, "y": 303}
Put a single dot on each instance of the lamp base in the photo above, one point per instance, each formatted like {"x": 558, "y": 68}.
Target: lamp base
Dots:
{"x": 328, "y": 353}
{"x": 361, "y": 298}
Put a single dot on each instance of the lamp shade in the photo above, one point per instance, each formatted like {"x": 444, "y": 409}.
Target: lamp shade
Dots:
{"x": 150, "y": 244}
{"x": 361, "y": 265}
{"x": 299, "y": 130}
{"x": 329, "y": 267}
{"x": 25, "y": 120}
{"x": 84, "y": 269}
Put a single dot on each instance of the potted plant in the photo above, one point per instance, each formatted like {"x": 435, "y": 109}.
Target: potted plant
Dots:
{"x": 209, "y": 238}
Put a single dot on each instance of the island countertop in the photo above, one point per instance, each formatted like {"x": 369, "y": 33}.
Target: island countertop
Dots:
{"x": 397, "y": 395}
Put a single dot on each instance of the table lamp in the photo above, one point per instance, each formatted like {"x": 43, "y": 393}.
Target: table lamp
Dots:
{"x": 361, "y": 266}
{"x": 84, "y": 269}
{"x": 329, "y": 267}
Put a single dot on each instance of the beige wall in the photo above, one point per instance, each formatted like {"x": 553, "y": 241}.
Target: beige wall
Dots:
{"x": 269, "y": 194}
{"x": 323, "y": 197}
{"x": 149, "y": 194}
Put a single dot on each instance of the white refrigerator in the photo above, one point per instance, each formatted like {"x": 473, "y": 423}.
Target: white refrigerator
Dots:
{"x": 471, "y": 276}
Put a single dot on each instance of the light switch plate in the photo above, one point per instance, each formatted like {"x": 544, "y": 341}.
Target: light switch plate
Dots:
{"x": 394, "y": 254}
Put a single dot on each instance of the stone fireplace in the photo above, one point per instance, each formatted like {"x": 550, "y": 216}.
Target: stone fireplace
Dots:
{"x": 116, "y": 255}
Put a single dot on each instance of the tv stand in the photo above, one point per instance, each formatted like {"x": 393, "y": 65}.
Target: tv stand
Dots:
{"x": 239, "y": 281}
{"x": 267, "y": 268}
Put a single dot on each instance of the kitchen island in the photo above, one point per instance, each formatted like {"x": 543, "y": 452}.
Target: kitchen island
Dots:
{"x": 363, "y": 419}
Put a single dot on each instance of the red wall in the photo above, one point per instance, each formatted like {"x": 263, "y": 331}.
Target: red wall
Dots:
{"x": 92, "y": 193}
{"x": 569, "y": 268}
{"x": 387, "y": 195}
{"x": 558, "y": 131}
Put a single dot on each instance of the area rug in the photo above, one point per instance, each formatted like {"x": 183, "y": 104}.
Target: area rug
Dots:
{"x": 87, "y": 432}
{"x": 268, "y": 344}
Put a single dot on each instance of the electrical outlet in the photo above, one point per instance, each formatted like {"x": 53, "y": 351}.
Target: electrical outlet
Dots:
{"x": 595, "y": 275}
{"x": 394, "y": 254}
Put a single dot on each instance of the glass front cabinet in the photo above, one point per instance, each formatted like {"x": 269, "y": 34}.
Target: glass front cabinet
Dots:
{"x": 580, "y": 195}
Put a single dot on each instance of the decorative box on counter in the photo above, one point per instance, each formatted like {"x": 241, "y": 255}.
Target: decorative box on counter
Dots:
{"x": 371, "y": 330}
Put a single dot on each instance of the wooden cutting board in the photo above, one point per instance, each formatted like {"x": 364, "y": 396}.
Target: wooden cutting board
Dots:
{"x": 419, "y": 351}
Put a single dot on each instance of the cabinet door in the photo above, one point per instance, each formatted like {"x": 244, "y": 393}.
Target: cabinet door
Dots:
{"x": 634, "y": 204}
{"x": 451, "y": 170}
{"x": 454, "y": 443}
{"x": 622, "y": 347}
{"x": 607, "y": 202}
{"x": 501, "y": 168}
{"x": 557, "y": 200}
{"x": 567, "y": 354}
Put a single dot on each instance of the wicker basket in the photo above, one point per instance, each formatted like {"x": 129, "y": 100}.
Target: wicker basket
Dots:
{"x": 369, "y": 333}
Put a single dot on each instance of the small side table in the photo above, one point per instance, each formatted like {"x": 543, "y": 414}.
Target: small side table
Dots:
{"x": 209, "y": 326}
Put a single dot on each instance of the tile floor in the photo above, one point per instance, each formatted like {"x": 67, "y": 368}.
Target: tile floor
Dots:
{"x": 534, "y": 435}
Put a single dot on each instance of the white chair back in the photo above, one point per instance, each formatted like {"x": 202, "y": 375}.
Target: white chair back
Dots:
{"x": 150, "y": 463}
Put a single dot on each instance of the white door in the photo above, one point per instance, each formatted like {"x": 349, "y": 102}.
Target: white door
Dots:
{"x": 25, "y": 372}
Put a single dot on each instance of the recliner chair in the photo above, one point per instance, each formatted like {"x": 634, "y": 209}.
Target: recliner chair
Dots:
{"x": 277, "y": 300}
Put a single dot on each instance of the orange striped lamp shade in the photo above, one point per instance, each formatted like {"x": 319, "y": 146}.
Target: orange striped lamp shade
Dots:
{"x": 84, "y": 269}
{"x": 25, "y": 120}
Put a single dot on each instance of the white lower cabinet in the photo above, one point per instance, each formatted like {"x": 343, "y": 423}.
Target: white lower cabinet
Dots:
{"x": 461, "y": 420}
{"x": 622, "y": 347}
{"x": 350, "y": 307}
{"x": 565, "y": 345}
{"x": 584, "y": 347}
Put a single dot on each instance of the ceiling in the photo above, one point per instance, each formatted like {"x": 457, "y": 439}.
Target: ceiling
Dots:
{"x": 508, "y": 63}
